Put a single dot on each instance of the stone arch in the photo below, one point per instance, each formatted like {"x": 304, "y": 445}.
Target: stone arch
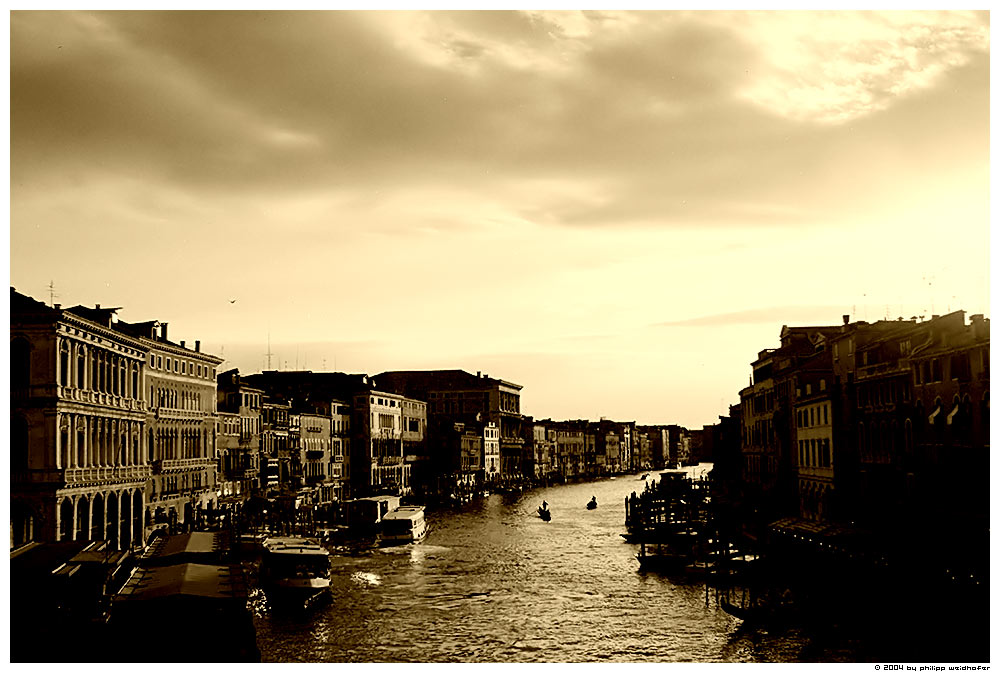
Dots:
{"x": 23, "y": 520}
{"x": 112, "y": 527}
{"x": 81, "y": 365}
{"x": 82, "y": 518}
{"x": 125, "y": 520}
{"x": 97, "y": 518}
{"x": 65, "y": 519}
{"x": 138, "y": 509}
{"x": 64, "y": 360}
{"x": 64, "y": 442}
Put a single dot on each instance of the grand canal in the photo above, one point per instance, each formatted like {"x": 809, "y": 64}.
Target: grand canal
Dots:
{"x": 492, "y": 582}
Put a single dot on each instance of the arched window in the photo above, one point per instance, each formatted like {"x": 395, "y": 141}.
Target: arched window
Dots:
{"x": 64, "y": 363}
{"x": 81, "y": 366}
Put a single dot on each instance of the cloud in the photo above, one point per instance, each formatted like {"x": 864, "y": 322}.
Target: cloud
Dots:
{"x": 777, "y": 315}
{"x": 833, "y": 67}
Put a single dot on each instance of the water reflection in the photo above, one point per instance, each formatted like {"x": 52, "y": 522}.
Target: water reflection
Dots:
{"x": 492, "y": 582}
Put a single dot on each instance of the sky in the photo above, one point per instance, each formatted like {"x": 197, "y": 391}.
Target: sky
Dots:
{"x": 616, "y": 211}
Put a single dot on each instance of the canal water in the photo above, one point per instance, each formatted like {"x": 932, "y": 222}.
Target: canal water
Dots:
{"x": 492, "y": 582}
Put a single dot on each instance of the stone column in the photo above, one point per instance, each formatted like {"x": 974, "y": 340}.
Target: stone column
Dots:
{"x": 58, "y": 531}
{"x": 73, "y": 529}
{"x": 59, "y": 345}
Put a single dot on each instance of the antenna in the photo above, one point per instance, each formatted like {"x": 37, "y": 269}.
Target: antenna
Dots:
{"x": 269, "y": 353}
{"x": 52, "y": 293}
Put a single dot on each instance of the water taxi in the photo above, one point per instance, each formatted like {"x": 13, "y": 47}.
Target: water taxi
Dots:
{"x": 294, "y": 569}
{"x": 403, "y": 525}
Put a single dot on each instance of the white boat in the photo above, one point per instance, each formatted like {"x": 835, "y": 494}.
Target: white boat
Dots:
{"x": 294, "y": 569}
{"x": 403, "y": 525}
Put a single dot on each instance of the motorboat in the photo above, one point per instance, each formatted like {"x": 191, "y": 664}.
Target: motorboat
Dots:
{"x": 404, "y": 525}
{"x": 294, "y": 570}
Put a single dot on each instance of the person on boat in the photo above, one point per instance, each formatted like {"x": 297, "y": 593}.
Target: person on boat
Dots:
{"x": 593, "y": 503}
{"x": 545, "y": 505}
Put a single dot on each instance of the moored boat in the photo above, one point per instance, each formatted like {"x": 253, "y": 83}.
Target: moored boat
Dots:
{"x": 404, "y": 525}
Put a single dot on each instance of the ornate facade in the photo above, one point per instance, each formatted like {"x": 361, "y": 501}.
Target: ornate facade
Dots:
{"x": 79, "y": 462}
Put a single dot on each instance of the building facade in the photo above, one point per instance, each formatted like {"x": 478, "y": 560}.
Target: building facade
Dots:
{"x": 79, "y": 462}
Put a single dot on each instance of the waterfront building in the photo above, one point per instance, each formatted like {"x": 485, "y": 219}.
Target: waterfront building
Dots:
{"x": 949, "y": 371}
{"x": 79, "y": 461}
{"x": 458, "y": 396}
{"x": 340, "y": 449}
{"x": 239, "y": 451}
{"x": 643, "y": 442}
{"x": 491, "y": 452}
{"x": 275, "y": 446}
{"x": 815, "y": 442}
{"x": 315, "y": 457}
{"x": 181, "y": 389}
{"x": 542, "y": 446}
{"x": 377, "y": 459}
{"x": 324, "y": 393}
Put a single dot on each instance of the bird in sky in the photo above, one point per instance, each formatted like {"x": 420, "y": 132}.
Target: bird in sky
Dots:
{"x": 232, "y": 301}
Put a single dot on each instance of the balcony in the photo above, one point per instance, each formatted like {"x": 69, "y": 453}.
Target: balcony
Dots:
{"x": 82, "y": 475}
{"x": 883, "y": 369}
{"x": 181, "y": 414}
{"x": 187, "y": 463}
{"x": 96, "y": 397}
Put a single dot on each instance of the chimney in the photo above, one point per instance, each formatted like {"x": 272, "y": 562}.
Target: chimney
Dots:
{"x": 163, "y": 331}
{"x": 98, "y": 306}
{"x": 479, "y": 375}
{"x": 58, "y": 306}
{"x": 182, "y": 343}
{"x": 197, "y": 346}
{"x": 847, "y": 318}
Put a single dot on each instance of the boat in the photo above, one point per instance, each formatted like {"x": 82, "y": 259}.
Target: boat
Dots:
{"x": 294, "y": 570}
{"x": 404, "y": 525}
{"x": 592, "y": 504}
{"x": 662, "y": 560}
{"x": 545, "y": 514}
{"x": 644, "y": 477}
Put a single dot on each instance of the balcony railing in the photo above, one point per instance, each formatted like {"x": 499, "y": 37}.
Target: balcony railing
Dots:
{"x": 882, "y": 369}
{"x": 187, "y": 463}
{"x": 120, "y": 473}
{"x": 101, "y": 398}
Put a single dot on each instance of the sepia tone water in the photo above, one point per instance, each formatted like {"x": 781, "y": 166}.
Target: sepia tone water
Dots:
{"x": 492, "y": 582}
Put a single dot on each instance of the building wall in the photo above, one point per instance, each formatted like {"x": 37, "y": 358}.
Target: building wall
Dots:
{"x": 78, "y": 461}
{"x": 181, "y": 429}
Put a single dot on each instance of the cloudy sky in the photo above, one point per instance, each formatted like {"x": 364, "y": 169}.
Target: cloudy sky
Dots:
{"x": 616, "y": 211}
